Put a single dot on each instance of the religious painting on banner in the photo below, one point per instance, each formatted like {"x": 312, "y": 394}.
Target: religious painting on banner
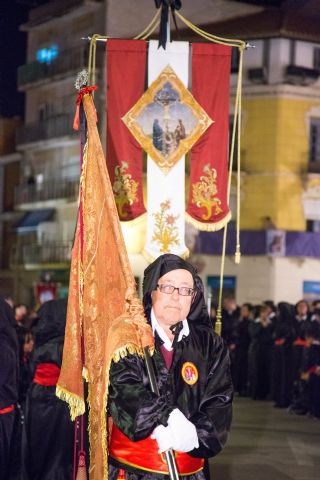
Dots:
{"x": 167, "y": 120}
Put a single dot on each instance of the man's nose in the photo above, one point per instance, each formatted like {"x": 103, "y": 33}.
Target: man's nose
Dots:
{"x": 175, "y": 293}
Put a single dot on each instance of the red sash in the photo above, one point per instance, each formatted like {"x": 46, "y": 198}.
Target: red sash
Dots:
{"x": 144, "y": 455}
{"x": 7, "y": 410}
{"x": 299, "y": 341}
{"x": 47, "y": 374}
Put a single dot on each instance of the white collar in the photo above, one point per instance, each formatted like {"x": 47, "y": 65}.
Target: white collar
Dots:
{"x": 162, "y": 334}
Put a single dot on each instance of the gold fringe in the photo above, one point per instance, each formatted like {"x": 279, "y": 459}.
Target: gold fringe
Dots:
{"x": 208, "y": 227}
{"x": 76, "y": 403}
{"x": 129, "y": 349}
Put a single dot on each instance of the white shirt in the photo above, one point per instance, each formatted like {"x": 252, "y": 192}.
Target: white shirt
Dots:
{"x": 162, "y": 334}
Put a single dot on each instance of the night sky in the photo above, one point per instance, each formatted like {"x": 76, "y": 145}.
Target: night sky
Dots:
{"x": 12, "y": 54}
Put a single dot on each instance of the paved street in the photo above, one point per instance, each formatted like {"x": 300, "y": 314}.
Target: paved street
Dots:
{"x": 269, "y": 444}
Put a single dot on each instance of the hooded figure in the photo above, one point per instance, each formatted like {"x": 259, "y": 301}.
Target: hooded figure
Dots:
{"x": 49, "y": 430}
{"x": 192, "y": 415}
{"x": 9, "y": 372}
{"x": 282, "y": 370}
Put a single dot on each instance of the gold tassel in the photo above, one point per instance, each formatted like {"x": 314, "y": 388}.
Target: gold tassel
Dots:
{"x": 81, "y": 471}
{"x": 218, "y": 324}
{"x": 237, "y": 255}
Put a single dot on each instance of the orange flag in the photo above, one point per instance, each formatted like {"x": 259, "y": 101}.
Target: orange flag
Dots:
{"x": 105, "y": 319}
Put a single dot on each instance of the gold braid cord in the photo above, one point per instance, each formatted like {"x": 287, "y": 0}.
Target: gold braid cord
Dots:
{"x": 112, "y": 315}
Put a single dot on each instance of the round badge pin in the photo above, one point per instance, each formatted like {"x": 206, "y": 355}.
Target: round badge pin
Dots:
{"x": 189, "y": 373}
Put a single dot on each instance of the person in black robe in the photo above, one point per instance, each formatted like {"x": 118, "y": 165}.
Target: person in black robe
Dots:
{"x": 282, "y": 369}
{"x": 240, "y": 367}
{"x": 193, "y": 413}
{"x": 9, "y": 372}
{"x": 260, "y": 355}
{"x": 49, "y": 431}
{"x": 313, "y": 364}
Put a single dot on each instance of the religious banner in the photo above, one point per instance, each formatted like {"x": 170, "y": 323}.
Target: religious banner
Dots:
{"x": 207, "y": 205}
{"x": 126, "y": 67}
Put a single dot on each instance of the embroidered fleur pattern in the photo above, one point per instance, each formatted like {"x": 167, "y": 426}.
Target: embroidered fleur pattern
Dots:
{"x": 166, "y": 231}
{"x": 203, "y": 193}
{"x": 124, "y": 188}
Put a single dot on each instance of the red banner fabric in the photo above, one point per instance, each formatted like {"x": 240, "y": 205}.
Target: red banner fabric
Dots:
{"x": 126, "y": 69}
{"x": 207, "y": 205}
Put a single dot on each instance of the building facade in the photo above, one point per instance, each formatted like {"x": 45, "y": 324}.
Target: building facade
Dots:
{"x": 280, "y": 150}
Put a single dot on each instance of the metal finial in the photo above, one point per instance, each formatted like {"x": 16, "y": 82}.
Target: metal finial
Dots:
{"x": 82, "y": 79}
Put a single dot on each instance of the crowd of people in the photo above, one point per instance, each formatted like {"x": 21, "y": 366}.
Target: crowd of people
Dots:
{"x": 36, "y": 433}
{"x": 275, "y": 352}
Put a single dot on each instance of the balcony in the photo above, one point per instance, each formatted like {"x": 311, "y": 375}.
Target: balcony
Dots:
{"x": 56, "y": 9}
{"x": 54, "y": 127}
{"x": 46, "y": 192}
{"x": 297, "y": 75}
{"x": 46, "y": 255}
{"x": 68, "y": 63}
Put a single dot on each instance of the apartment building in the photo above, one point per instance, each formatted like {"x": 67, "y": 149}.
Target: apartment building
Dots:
{"x": 47, "y": 193}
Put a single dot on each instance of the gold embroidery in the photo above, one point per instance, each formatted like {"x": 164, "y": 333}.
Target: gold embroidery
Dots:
{"x": 124, "y": 188}
{"x": 203, "y": 193}
{"x": 166, "y": 232}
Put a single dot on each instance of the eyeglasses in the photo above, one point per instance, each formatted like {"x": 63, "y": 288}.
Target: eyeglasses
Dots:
{"x": 169, "y": 289}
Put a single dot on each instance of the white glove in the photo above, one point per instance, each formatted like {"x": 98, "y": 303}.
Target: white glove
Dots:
{"x": 184, "y": 433}
{"x": 164, "y": 437}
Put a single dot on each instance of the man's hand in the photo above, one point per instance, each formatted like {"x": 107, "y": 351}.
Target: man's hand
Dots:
{"x": 184, "y": 433}
{"x": 164, "y": 438}
{"x": 180, "y": 434}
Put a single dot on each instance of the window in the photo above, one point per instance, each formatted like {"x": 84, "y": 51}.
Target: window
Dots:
{"x": 313, "y": 226}
{"x": 229, "y": 287}
{"x": 314, "y": 141}
{"x": 316, "y": 58}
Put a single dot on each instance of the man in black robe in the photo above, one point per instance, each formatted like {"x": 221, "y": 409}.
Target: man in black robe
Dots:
{"x": 9, "y": 366}
{"x": 193, "y": 413}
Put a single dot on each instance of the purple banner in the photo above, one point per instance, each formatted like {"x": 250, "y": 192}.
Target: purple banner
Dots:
{"x": 254, "y": 242}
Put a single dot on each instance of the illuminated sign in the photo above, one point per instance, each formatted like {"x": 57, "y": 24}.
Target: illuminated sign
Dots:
{"x": 47, "y": 55}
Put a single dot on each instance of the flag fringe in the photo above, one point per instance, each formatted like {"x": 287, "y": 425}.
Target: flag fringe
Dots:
{"x": 76, "y": 404}
{"x": 129, "y": 349}
{"x": 208, "y": 227}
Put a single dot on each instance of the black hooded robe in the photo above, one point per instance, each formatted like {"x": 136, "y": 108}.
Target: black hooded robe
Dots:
{"x": 136, "y": 411}
{"x": 9, "y": 373}
{"x": 49, "y": 430}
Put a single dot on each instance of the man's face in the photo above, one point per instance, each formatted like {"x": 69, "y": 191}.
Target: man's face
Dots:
{"x": 171, "y": 308}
